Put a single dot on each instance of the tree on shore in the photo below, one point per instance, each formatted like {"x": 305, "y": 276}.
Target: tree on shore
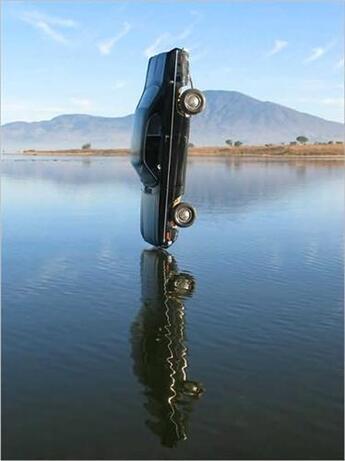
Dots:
{"x": 238, "y": 143}
{"x": 190, "y": 145}
{"x": 228, "y": 142}
{"x": 86, "y": 146}
{"x": 302, "y": 139}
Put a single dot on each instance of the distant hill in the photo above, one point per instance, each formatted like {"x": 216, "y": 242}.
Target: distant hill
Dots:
{"x": 228, "y": 114}
{"x": 234, "y": 115}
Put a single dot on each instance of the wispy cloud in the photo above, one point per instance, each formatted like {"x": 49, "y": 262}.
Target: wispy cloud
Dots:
{"x": 339, "y": 64}
{"x": 278, "y": 46}
{"x": 119, "y": 84}
{"x": 13, "y": 110}
{"x": 166, "y": 40}
{"x": 52, "y": 20}
{"x": 318, "y": 52}
{"x": 157, "y": 44}
{"x": 169, "y": 40}
{"x": 26, "y": 110}
{"x": 336, "y": 102}
{"x": 81, "y": 103}
{"x": 197, "y": 15}
{"x": 185, "y": 33}
{"x": 49, "y": 25}
{"x": 50, "y": 32}
{"x": 107, "y": 45}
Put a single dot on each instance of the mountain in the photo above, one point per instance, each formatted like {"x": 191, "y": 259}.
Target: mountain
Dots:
{"x": 67, "y": 131}
{"x": 228, "y": 114}
{"x": 233, "y": 115}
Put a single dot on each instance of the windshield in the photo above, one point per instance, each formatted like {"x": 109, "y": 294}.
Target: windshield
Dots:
{"x": 155, "y": 72}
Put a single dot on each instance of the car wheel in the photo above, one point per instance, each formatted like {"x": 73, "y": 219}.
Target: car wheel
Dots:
{"x": 192, "y": 101}
{"x": 181, "y": 285}
{"x": 184, "y": 215}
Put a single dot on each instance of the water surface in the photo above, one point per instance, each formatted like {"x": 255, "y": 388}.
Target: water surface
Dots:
{"x": 228, "y": 347}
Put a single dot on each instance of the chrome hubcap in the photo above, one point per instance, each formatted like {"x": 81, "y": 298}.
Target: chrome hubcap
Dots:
{"x": 193, "y": 102}
{"x": 184, "y": 215}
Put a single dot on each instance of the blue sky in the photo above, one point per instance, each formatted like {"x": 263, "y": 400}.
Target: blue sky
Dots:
{"x": 91, "y": 57}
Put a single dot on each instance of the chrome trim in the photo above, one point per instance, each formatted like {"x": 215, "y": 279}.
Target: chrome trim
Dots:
{"x": 170, "y": 148}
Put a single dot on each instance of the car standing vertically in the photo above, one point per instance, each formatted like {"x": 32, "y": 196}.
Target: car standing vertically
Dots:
{"x": 160, "y": 144}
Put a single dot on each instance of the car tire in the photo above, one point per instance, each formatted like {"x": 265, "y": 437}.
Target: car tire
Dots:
{"x": 184, "y": 214}
{"x": 192, "y": 102}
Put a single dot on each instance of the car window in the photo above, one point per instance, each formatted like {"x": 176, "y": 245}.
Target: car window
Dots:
{"x": 155, "y": 72}
{"x": 154, "y": 79}
{"x": 153, "y": 144}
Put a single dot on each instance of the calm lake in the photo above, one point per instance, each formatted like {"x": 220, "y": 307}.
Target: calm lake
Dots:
{"x": 229, "y": 347}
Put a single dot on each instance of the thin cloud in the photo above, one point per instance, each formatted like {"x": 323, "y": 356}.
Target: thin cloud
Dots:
{"x": 278, "y": 46}
{"x": 189, "y": 29}
{"x": 49, "y": 25}
{"x": 107, "y": 45}
{"x": 318, "y": 52}
{"x": 50, "y": 32}
{"x": 197, "y": 15}
{"x": 185, "y": 33}
{"x": 157, "y": 45}
{"x": 35, "y": 16}
{"x": 25, "y": 110}
{"x": 335, "y": 102}
{"x": 169, "y": 40}
{"x": 339, "y": 64}
{"x": 81, "y": 103}
{"x": 119, "y": 84}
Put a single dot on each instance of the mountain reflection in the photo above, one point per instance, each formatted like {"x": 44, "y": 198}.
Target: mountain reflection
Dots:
{"x": 158, "y": 346}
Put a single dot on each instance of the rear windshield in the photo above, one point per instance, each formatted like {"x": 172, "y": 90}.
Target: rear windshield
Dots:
{"x": 155, "y": 71}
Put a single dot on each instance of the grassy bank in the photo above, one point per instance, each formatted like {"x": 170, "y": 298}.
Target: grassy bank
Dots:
{"x": 276, "y": 151}
{"x": 79, "y": 152}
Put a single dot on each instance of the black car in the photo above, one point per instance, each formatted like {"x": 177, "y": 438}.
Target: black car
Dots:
{"x": 160, "y": 143}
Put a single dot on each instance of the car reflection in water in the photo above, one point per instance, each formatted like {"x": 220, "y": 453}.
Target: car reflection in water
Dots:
{"x": 158, "y": 346}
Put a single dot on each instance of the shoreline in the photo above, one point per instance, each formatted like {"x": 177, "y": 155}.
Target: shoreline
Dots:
{"x": 307, "y": 151}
